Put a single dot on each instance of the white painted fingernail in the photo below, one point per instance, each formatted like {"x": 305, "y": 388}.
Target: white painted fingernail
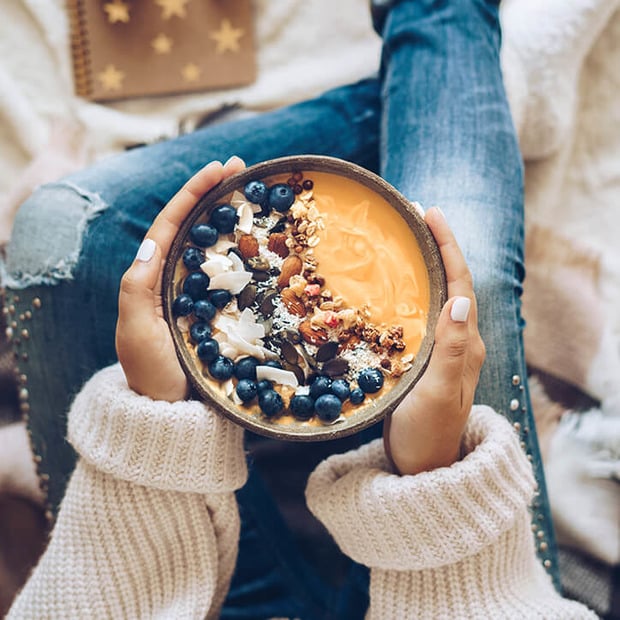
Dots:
{"x": 232, "y": 159}
{"x": 460, "y": 309}
{"x": 146, "y": 251}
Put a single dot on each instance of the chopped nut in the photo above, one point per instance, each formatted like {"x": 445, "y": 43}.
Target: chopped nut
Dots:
{"x": 293, "y": 304}
{"x": 248, "y": 246}
{"x": 311, "y": 335}
{"x": 291, "y": 266}
{"x": 277, "y": 243}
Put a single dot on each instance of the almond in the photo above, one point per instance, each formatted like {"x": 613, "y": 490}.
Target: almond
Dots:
{"x": 293, "y": 304}
{"x": 292, "y": 266}
{"x": 313, "y": 336}
{"x": 277, "y": 244}
{"x": 248, "y": 246}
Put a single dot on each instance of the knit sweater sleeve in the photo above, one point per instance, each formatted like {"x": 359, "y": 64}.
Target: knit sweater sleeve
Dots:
{"x": 149, "y": 525}
{"x": 450, "y": 543}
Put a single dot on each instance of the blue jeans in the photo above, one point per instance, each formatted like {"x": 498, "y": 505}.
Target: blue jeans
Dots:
{"x": 435, "y": 123}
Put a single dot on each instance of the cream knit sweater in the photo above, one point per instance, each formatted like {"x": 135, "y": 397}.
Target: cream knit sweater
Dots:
{"x": 149, "y": 524}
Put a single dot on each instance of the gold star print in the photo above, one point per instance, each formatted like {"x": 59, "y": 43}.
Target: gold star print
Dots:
{"x": 172, "y": 8}
{"x": 190, "y": 72}
{"x": 162, "y": 44}
{"x": 227, "y": 37}
{"x": 111, "y": 78}
{"x": 117, "y": 11}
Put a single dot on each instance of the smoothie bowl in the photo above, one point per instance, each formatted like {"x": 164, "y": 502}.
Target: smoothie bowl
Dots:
{"x": 302, "y": 295}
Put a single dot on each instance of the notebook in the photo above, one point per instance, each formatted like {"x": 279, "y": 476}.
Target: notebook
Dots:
{"x": 134, "y": 48}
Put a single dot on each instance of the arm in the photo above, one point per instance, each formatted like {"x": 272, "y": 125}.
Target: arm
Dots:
{"x": 439, "y": 509}
{"x": 149, "y": 523}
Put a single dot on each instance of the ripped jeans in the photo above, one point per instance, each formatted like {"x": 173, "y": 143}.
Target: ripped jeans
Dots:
{"x": 436, "y": 124}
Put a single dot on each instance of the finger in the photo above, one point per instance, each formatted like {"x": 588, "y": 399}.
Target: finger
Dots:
{"x": 138, "y": 300}
{"x": 444, "y": 376}
{"x": 458, "y": 276}
{"x": 166, "y": 225}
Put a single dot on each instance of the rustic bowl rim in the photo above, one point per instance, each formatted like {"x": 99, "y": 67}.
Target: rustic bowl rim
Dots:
{"x": 385, "y": 404}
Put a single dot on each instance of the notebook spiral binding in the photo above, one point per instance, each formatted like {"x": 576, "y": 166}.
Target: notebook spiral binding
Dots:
{"x": 82, "y": 74}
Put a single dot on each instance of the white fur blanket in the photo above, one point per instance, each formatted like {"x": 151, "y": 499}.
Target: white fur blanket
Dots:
{"x": 560, "y": 61}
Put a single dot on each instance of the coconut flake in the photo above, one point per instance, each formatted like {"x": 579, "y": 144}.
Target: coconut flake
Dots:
{"x": 244, "y": 347}
{"x": 279, "y": 375}
{"x": 237, "y": 263}
{"x": 249, "y": 330}
{"x": 233, "y": 281}
{"x": 246, "y": 218}
{"x": 228, "y": 350}
{"x": 302, "y": 390}
{"x": 229, "y": 387}
{"x": 216, "y": 265}
{"x": 221, "y": 247}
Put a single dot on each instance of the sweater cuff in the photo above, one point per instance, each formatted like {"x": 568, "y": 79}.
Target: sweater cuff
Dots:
{"x": 431, "y": 519}
{"x": 183, "y": 446}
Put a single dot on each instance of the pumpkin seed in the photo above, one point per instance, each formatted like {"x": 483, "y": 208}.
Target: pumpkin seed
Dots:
{"x": 246, "y": 297}
{"x": 267, "y": 306}
{"x": 258, "y": 263}
{"x": 336, "y": 367}
{"x": 289, "y": 352}
{"x": 327, "y": 351}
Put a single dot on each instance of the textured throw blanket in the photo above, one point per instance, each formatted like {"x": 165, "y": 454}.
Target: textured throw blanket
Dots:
{"x": 560, "y": 61}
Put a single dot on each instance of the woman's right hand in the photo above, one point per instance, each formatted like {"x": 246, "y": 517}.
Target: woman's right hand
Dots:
{"x": 143, "y": 341}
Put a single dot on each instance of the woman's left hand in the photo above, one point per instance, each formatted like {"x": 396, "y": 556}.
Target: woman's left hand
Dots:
{"x": 425, "y": 430}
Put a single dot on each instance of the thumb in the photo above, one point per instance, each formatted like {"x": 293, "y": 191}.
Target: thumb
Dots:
{"x": 444, "y": 375}
{"x": 137, "y": 296}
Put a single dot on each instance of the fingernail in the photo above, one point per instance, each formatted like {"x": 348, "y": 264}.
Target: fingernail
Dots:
{"x": 213, "y": 164}
{"x": 440, "y": 212}
{"x": 146, "y": 251}
{"x": 460, "y": 309}
{"x": 232, "y": 159}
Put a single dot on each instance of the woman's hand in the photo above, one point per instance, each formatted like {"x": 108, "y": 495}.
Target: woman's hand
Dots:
{"x": 143, "y": 340}
{"x": 425, "y": 430}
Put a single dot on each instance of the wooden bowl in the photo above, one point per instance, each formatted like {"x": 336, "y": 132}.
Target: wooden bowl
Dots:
{"x": 395, "y": 249}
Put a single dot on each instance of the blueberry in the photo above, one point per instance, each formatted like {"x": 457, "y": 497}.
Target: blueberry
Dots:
{"x": 247, "y": 390}
{"x": 370, "y": 380}
{"x": 193, "y": 258}
{"x": 203, "y": 235}
{"x": 221, "y": 368}
{"x": 219, "y": 297}
{"x": 207, "y": 350}
{"x": 327, "y": 407}
{"x": 321, "y": 385}
{"x": 270, "y": 402}
{"x": 182, "y": 305}
{"x": 199, "y": 331}
{"x": 341, "y": 389}
{"x": 272, "y": 364}
{"x": 204, "y": 310}
{"x": 195, "y": 285}
{"x": 281, "y": 197}
{"x": 224, "y": 218}
{"x": 245, "y": 368}
{"x": 256, "y": 192}
{"x": 302, "y": 407}
{"x": 357, "y": 396}
{"x": 263, "y": 385}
